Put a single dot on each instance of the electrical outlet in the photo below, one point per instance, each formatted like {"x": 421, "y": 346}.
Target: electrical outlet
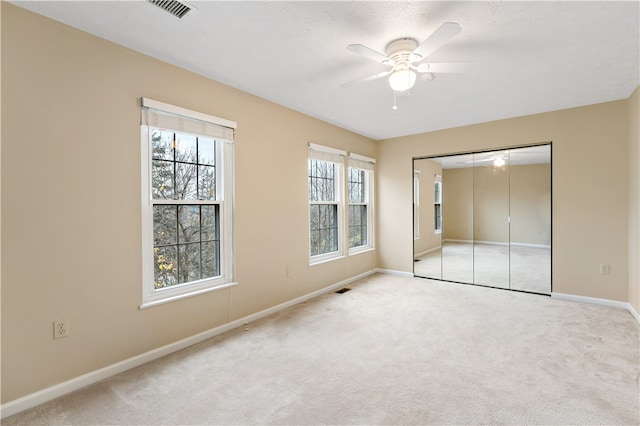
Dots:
{"x": 60, "y": 329}
{"x": 604, "y": 269}
{"x": 289, "y": 271}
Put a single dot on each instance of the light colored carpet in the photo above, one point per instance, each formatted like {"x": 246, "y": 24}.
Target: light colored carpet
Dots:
{"x": 393, "y": 350}
{"x": 513, "y": 267}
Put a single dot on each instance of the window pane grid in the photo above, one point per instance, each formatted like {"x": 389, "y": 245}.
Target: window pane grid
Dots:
{"x": 187, "y": 203}
{"x": 357, "y": 225}
{"x": 332, "y": 183}
{"x": 323, "y": 228}
{"x": 438, "y": 216}
{"x": 323, "y": 207}
{"x": 322, "y": 181}
{"x": 358, "y": 207}
{"x": 186, "y": 243}
{"x": 356, "y": 185}
{"x": 183, "y": 166}
{"x": 185, "y": 211}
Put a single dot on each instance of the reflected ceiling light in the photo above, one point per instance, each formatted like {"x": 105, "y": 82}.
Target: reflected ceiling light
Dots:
{"x": 499, "y": 162}
{"x": 402, "y": 79}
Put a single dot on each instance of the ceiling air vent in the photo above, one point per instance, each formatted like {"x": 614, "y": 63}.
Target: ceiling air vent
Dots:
{"x": 174, "y": 7}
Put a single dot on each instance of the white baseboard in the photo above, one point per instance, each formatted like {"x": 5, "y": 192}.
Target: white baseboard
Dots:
{"x": 544, "y": 246}
{"x": 598, "y": 301}
{"x": 633, "y": 312}
{"x": 499, "y": 243}
{"x": 32, "y": 400}
{"x": 393, "y": 272}
{"x": 417, "y": 255}
{"x": 492, "y": 243}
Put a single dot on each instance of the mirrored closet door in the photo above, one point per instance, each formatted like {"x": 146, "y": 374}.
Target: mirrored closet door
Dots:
{"x": 485, "y": 218}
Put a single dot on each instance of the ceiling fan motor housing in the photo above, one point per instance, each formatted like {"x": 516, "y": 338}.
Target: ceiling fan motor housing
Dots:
{"x": 400, "y": 50}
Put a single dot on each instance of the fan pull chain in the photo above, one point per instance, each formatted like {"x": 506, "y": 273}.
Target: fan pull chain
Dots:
{"x": 395, "y": 106}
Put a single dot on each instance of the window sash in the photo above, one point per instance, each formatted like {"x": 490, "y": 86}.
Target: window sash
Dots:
{"x": 323, "y": 180}
{"x": 325, "y": 243}
{"x": 364, "y": 239}
{"x": 323, "y": 229}
{"x": 358, "y": 225}
{"x": 177, "y": 164}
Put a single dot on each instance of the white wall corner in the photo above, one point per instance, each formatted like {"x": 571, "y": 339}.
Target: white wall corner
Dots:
{"x": 633, "y": 312}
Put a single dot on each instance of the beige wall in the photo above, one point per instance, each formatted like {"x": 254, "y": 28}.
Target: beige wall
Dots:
{"x": 530, "y": 204}
{"x": 590, "y": 190}
{"x": 71, "y": 241}
{"x": 634, "y": 200}
{"x": 70, "y": 190}
{"x": 457, "y": 189}
{"x": 428, "y": 238}
{"x": 482, "y": 198}
{"x": 491, "y": 204}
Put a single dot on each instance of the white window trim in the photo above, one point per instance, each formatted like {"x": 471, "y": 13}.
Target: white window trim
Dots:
{"x": 367, "y": 164}
{"x": 151, "y": 296}
{"x": 438, "y": 179}
{"x": 344, "y": 160}
{"x": 335, "y": 156}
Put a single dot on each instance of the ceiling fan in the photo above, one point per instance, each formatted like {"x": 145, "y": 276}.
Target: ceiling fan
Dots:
{"x": 405, "y": 58}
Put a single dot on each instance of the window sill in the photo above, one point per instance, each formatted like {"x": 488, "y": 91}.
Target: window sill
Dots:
{"x": 361, "y": 250}
{"x": 326, "y": 260}
{"x": 169, "y": 299}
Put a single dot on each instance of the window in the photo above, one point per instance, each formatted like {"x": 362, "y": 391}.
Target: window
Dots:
{"x": 327, "y": 221}
{"x": 323, "y": 209}
{"x": 357, "y": 208}
{"x": 360, "y": 190}
{"x": 325, "y": 206}
{"x": 437, "y": 204}
{"x": 187, "y": 181}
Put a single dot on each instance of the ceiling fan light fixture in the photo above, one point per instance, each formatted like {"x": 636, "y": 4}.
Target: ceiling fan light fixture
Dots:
{"x": 402, "y": 80}
{"x": 422, "y": 67}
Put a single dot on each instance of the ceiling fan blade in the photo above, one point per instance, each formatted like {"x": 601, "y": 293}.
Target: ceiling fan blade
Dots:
{"x": 369, "y": 53}
{"x": 363, "y": 80}
{"x": 445, "y": 67}
{"x": 441, "y": 36}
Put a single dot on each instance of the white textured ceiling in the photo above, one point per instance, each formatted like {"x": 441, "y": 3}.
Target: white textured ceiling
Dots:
{"x": 528, "y": 57}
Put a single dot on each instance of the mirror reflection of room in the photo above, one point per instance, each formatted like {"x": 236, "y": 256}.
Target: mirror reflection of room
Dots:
{"x": 485, "y": 218}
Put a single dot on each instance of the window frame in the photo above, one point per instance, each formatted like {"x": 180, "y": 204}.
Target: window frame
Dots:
{"x": 224, "y": 178}
{"x": 368, "y": 202}
{"x": 343, "y": 161}
{"x": 338, "y": 192}
{"x": 437, "y": 204}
